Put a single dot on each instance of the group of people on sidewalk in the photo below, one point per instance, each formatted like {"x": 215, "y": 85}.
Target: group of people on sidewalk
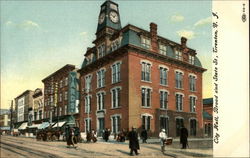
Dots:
{"x": 132, "y": 137}
{"x": 134, "y": 142}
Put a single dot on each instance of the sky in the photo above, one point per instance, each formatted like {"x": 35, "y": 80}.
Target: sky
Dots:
{"x": 40, "y": 37}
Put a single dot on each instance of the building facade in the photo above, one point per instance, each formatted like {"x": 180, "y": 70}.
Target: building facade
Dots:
{"x": 5, "y": 120}
{"x": 38, "y": 105}
{"x": 208, "y": 117}
{"x": 133, "y": 77}
{"x": 23, "y": 106}
{"x": 61, "y": 96}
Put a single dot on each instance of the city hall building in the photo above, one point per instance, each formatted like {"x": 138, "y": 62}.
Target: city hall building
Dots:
{"x": 134, "y": 77}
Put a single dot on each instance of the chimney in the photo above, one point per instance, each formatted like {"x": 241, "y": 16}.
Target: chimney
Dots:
{"x": 153, "y": 34}
{"x": 183, "y": 41}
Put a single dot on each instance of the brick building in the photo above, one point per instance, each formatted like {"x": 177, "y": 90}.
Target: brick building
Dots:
{"x": 61, "y": 95}
{"x": 134, "y": 77}
{"x": 208, "y": 117}
{"x": 23, "y": 107}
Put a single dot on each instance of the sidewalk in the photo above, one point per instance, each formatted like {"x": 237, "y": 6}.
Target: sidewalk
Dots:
{"x": 194, "y": 143}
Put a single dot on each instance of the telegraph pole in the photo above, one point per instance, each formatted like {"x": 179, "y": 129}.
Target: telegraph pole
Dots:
{"x": 11, "y": 115}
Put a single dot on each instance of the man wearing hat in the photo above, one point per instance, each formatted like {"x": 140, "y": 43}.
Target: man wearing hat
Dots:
{"x": 133, "y": 141}
{"x": 163, "y": 137}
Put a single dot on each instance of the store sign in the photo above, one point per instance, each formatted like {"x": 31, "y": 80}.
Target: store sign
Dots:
{"x": 20, "y": 109}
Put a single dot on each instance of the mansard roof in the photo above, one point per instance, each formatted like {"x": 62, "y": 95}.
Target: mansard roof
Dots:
{"x": 131, "y": 35}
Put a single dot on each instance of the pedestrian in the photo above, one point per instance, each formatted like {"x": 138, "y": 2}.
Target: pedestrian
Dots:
{"x": 71, "y": 140}
{"x": 106, "y": 134}
{"x": 163, "y": 138}
{"x": 183, "y": 137}
{"x": 133, "y": 141}
{"x": 93, "y": 136}
{"x": 144, "y": 135}
{"x": 69, "y": 134}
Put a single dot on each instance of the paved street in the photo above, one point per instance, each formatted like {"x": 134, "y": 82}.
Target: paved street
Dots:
{"x": 29, "y": 147}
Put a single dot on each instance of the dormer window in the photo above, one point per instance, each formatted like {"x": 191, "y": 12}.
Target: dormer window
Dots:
{"x": 114, "y": 7}
{"x": 145, "y": 42}
{"x": 101, "y": 50}
{"x": 163, "y": 49}
{"x": 191, "y": 59}
{"x": 178, "y": 55}
{"x": 115, "y": 45}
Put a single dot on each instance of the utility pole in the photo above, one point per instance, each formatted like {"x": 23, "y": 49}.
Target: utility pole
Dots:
{"x": 11, "y": 115}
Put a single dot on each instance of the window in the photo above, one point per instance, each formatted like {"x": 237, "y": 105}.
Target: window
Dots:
{"x": 40, "y": 115}
{"x": 60, "y": 97}
{"x": 65, "y": 95}
{"x": 87, "y": 124}
{"x": 146, "y": 122}
{"x": 163, "y": 76}
{"x": 192, "y": 83}
{"x": 145, "y": 42}
{"x": 101, "y": 50}
{"x": 88, "y": 83}
{"x": 163, "y": 49}
{"x": 52, "y": 89}
{"x": 116, "y": 72}
{"x": 66, "y": 109}
{"x": 163, "y": 99}
{"x": 101, "y": 78}
{"x": 115, "y": 97}
{"x": 146, "y": 71}
{"x": 87, "y": 104}
{"x": 146, "y": 97}
{"x": 179, "y": 125}
{"x": 179, "y": 102}
{"x": 55, "y": 111}
{"x": 51, "y": 100}
{"x": 193, "y": 127}
{"x": 178, "y": 79}
{"x": 208, "y": 129}
{"x": 192, "y": 103}
{"x": 61, "y": 84}
{"x": 35, "y": 116}
{"x": 115, "y": 45}
{"x": 60, "y": 111}
{"x": 100, "y": 100}
{"x": 191, "y": 59}
{"x": 116, "y": 124}
{"x": 164, "y": 123}
{"x": 66, "y": 81}
{"x": 178, "y": 55}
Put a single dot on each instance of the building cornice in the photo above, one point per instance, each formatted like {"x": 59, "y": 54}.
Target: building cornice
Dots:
{"x": 67, "y": 67}
{"x": 126, "y": 48}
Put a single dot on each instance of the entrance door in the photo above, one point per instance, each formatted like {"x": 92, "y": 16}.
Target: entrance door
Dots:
{"x": 101, "y": 126}
{"x": 179, "y": 125}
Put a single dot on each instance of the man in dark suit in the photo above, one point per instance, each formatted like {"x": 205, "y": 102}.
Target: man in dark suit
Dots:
{"x": 183, "y": 137}
{"x": 133, "y": 141}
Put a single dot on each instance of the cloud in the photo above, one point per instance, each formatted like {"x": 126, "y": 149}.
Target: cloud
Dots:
{"x": 177, "y": 18}
{"x": 28, "y": 24}
{"x": 83, "y": 33}
{"x": 9, "y": 23}
{"x": 203, "y": 22}
{"x": 186, "y": 33}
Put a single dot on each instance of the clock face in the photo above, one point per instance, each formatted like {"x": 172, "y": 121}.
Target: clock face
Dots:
{"x": 101, "y": 18}
{"x": 113, "y": 17}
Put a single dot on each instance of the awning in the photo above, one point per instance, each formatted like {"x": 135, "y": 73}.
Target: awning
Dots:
{"x": 5, "y": 128}
{"x": 44, "y": 125}
{"x": 59, "y": 124}
{"x": 34, "y": 126}
{"x": 23, "y": 126}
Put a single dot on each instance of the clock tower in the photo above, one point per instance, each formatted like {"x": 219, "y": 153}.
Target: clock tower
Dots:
{"x": 109, "y": 17}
